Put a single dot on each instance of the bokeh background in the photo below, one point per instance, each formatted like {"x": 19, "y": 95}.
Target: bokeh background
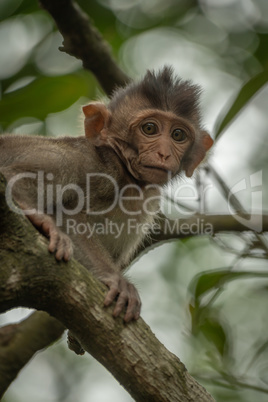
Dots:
{"x": 217, "y": 324}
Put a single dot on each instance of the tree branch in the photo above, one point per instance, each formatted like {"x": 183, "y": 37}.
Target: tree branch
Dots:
{"x": 31, "y": 277}
{"x": 83, "y": 41}
{"x": 198, "y": 225}
{"x": 19, "y": 343}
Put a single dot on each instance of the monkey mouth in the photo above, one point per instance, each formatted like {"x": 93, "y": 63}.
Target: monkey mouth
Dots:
{"x": 158, "y": 168}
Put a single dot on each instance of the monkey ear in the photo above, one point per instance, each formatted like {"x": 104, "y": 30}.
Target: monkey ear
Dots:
{"x": 197, "y": 153}
{"x": 97, "y": 117}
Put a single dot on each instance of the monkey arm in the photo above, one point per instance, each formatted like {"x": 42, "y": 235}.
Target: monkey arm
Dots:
{"x": 88, "y": 251}
{"x": 59, "y": 242}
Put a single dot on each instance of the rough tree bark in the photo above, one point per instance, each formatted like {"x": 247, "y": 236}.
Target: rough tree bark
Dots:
{"x": 19, "y": 342}
{"x": 31, "y": 277}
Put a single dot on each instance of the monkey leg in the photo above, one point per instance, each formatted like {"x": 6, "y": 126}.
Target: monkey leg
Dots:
{"x": 93, "y": 255}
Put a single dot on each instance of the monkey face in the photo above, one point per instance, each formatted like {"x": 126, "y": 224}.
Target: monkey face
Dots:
{"x": 160, "y": 140}
{"x": 153, "y": 145}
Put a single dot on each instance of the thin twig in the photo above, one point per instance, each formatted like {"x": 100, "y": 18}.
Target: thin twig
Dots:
{"x": 226, "y": 191}
{"x": 83, "y": 41}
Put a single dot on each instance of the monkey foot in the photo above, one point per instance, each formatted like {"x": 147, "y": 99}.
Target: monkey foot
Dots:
{"x": 125, "y": 295}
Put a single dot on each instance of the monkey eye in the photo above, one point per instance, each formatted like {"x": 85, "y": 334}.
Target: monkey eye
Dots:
{"x": 179, "y": 135}
{"x": 149, "y": 128}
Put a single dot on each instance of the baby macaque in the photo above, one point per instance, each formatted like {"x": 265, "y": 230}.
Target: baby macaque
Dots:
{"x": 96, "y": 196}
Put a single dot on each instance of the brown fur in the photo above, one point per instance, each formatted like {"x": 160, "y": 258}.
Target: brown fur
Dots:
{"x": 115, "y": 144}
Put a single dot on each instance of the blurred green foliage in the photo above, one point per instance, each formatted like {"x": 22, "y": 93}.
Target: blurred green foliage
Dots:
{"x": 44, "y": 94}
{"x": 247, "y": 92}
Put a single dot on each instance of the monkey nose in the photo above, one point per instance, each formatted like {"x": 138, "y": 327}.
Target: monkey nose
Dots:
{"x": 163, "y": 156}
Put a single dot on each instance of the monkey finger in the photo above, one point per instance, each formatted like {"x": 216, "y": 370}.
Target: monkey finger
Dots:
{"x": 132, "y": 314}
{"x": 53, "y": 241}
{"x": 61, "y": 244}
{"x": 133, "y": 309}
{"x": 46, "y": 227}
{"x": 120, "y": 304}
{"x": 137, "y": 315}
{"x": 67, "y": 247}
{"x": 68, "y": 253}
{"x": 62, "y": 252}
{"x": 111, "y": 296}
{"x": 59, "y": 251}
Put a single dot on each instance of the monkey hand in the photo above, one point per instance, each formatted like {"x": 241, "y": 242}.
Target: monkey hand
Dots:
{"x": 124, "y": 294}
{"x": 59, "y": 242}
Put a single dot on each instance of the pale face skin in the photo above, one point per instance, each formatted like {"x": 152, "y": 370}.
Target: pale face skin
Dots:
{"x": 155, "y": 145}
{"x": 161, "y": 139}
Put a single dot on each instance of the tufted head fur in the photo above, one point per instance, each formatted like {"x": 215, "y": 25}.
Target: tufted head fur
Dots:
{"x": 161, "y": 90}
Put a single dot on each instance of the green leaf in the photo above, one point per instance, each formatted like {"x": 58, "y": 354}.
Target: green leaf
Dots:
{"x": 258, "y": 353}
{"x": 214, "y": 332}
{"x": 42, "y": 96}
{"x": 8, "y": 7}
{"x": 212, "y": 280}
{"x": 247, "y": 92}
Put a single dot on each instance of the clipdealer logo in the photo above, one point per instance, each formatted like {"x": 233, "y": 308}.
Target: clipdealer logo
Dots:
{"x": 252, "y": 185}
{"x": 49, "y": 194}
{"x": 133, "y": 226}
